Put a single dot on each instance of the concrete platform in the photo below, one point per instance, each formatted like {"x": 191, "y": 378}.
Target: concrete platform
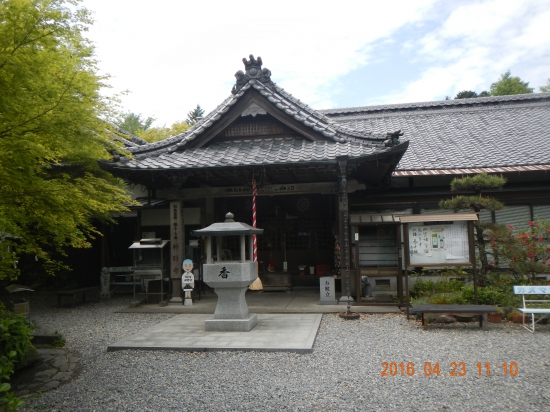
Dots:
{"x": 273, "y": 333}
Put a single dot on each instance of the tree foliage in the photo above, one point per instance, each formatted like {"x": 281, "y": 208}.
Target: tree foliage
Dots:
{"x": 477, "y": 203}
{"x": 194, "y": 115}
{"x": 507, "y": 85}
{"x": 466, "y": 94}
{"x": 546, "y": 87}
{"x": 155, "y": 134}
{"x": 525, "y": 251}
{"x": 133, "y": 123}
{"x": 478, "y": 183}
{"x": 51, "y": 134}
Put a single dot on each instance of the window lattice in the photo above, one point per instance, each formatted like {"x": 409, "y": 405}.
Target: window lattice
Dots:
{"x": 256, "y": 127}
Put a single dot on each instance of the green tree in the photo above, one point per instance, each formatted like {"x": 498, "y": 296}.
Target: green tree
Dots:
{"x": 154, "y": 134}
{"x": 484, "y": 93}
{"x": 466, "y": 94}
{"x": 194, "y": 115}
{"x": 51, "y": 134}
{"x": 477, "y": 203}
{"x": 545, "y": 88}
{"x": 507, "y": 85}
{"x": 133, "y": 123}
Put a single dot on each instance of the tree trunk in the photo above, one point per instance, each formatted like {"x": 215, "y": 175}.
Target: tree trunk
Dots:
{"x": 481, "y": 247}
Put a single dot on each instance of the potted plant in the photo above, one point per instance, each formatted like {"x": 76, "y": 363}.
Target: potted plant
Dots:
{"x": 517, "y": 317}
{"x": 495, "y": 317}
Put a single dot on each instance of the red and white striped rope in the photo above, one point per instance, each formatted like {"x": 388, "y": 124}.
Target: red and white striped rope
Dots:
{"x": 254, "y": 241}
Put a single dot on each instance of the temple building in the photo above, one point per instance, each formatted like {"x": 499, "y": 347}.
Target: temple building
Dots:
{"x": 331, "y": 183}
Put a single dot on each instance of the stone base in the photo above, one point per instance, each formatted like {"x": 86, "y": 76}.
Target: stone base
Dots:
{"x": 350, "y": 315}
{"x": 231, "y": 325}
{"x": 328, "y": 302}
{"x": 344, "y": 299}
{"x": 176, "y": 299}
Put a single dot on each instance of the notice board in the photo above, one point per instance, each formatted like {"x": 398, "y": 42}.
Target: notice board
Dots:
{"x": 438, "y": 244}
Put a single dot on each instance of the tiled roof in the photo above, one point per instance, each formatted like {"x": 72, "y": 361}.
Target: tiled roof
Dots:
{"x": 438, "y": 104}
{"x": 462, "y": 134}
{"x": 265, "y": 152}
{"x": 128, "y": 139}
{"x": 334, "y": 131}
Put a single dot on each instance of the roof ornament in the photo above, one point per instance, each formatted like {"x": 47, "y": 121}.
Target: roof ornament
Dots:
{"x": 393, "y": 138}
{"x": 253, "y": 68}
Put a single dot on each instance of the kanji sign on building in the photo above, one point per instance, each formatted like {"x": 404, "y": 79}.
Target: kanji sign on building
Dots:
{"x": 177, "y": 239}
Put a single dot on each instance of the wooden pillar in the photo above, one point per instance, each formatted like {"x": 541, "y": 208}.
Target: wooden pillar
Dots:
{"x": 209, "y": 211}
{"x": 218, "y": 248}
{"x": 347, "y": 275}
{"x": 243, "y": 248}
{"x": 209, "y": 250}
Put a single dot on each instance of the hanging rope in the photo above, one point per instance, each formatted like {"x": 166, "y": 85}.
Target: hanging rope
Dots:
{"x": 254, "y": 240}
{"x": 257, "y": 284}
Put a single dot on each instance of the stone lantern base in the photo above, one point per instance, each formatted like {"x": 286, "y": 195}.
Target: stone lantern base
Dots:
{"x": 230, "y": 281}
{"x": 231, "y": 325}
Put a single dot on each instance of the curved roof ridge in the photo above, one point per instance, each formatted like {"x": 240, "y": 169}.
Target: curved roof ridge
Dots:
{"x": 131, "y": 139}
{"x": 284, "y": 101}
{"x": 328, "y": 127}
{"x": 173, "y": 142}
{"x": 437, "y": 103}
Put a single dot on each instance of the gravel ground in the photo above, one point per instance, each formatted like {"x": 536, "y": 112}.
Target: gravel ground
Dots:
{"x": 343, "y": 373}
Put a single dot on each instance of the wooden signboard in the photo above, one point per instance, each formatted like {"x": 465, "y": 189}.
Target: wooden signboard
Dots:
{"x": 438, "y": 244}
{"x": 177, "y": 239}
{"x": 270, "y": 190}
{"x": 439, "y": 240}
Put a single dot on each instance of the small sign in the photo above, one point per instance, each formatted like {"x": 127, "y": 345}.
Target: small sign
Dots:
{"x": 326, "y": 292}
{"x": 187, "y": 278}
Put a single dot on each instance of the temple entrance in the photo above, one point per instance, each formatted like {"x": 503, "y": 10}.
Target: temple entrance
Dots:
{"x": 299, "y": 233}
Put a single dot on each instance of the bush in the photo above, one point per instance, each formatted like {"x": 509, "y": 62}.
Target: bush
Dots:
{"x": 447, "y": 299}
{"x": 15, "y": 345}
{"x": 490, "y": 295}
{"x": 429, "y": 287}
{"x": 526, "y": 251}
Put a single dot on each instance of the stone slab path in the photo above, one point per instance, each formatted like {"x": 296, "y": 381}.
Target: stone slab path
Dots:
{"x": 52, "y": 368}
{"x": 273, "y": 333}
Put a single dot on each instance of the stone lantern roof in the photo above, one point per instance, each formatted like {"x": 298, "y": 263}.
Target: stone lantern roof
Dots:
{"x": 228, "y": 228}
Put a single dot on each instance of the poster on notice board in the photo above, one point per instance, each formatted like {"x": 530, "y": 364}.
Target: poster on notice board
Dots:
{"x": 444, "y": 244}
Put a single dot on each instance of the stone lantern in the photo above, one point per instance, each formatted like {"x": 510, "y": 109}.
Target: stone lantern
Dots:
{"x": 230, "y": 278}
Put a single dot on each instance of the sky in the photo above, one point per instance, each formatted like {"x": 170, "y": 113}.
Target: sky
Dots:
{"x": 171, "y": 55}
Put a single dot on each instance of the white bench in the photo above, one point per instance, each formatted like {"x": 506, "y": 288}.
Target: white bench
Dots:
{"x": 530, "y": 305}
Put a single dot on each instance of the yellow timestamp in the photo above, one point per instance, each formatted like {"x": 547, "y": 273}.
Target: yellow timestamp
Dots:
{"x": 455, "y": 369}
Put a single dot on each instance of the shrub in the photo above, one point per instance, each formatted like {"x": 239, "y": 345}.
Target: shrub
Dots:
{"x": 15, "y": 344}
{"x": 490, "y": 295}
{"x": 429, "y": 287}
{"x": 525, "y": 251}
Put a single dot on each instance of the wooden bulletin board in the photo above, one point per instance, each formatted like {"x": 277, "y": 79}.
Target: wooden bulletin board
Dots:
{"x": 439, "y": 244}
{"x": 438, "y": 241}
{"x": 442, "y": 242}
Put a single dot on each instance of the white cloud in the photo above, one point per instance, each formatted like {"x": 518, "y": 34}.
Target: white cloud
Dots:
{"x": 173, "y": 55}
{"x": 476, "y": 43}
